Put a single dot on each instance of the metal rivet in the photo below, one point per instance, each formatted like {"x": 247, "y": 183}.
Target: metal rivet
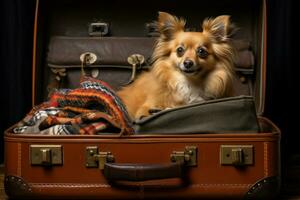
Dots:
{"x": 91, "y": 152}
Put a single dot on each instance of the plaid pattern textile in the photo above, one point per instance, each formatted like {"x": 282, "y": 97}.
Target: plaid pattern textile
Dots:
{"x": 94, "y": 108}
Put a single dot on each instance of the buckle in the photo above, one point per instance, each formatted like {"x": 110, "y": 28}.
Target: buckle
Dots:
{"x": 152, "y": 29}
{"x": 98, "y": 29}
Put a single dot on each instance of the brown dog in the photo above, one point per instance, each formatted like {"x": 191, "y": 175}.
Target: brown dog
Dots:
{"x": 188, "y": 67}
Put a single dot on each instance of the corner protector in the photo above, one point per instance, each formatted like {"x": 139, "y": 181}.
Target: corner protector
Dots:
{"x": 266, "y": 188}
{"x": 16, "y": 186}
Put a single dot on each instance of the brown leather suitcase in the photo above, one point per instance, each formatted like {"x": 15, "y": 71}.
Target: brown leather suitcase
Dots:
{"x": 221, "y": 165}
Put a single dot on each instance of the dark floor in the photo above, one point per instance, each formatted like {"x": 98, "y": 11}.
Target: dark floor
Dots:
{"x": 2, "y": 193}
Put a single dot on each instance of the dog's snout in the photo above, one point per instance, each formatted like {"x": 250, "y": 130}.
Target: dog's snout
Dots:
{"x": 188, "y": 63}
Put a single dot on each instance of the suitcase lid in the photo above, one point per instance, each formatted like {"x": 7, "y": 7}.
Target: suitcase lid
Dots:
{"x": 65, "y": 21}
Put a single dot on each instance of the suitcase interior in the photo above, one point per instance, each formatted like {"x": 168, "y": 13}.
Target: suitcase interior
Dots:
{"x": 66, "y": 18}
{"x": 71, "y": 19}
{"x": 67, "y": 21}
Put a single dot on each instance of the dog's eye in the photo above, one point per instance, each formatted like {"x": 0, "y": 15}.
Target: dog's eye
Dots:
{"x": 180, "y": 51}
{"x": 202, "y": 53}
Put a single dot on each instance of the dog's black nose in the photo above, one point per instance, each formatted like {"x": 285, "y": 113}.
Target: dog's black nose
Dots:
{"x": 188, "y": 63}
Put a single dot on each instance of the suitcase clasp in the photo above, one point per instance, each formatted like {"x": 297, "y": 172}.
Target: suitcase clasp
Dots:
{"x": 46, "y": 155}
{"x": 236, "y": 155}
{"x": 97, "y": 159}
{"x": 188, "y": 156}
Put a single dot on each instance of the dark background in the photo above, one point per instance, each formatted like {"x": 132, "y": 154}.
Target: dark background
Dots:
{"x": 16, "y": 36}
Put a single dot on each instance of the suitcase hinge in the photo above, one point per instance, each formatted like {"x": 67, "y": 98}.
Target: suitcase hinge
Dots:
{"x": 188, "y": 156}
{"x": 97, "y": 159}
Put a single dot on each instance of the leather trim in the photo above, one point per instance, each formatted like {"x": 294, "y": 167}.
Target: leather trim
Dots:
{"x": 34, "y": 52}
{"x": 270, "y": 137}
{"x": 267, "y": 188}
{"x": 267, "y": 126}
{"x": 264, "y": 78}
{"x": 263, "y": 67}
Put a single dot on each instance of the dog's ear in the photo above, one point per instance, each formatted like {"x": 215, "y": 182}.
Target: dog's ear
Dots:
{"x": 220, "y": 28}
{"x": 168, "y": 25}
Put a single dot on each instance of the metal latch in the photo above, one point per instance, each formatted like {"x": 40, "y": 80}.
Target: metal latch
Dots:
{"x": 236, "y": 155}
{"x": 136, "y": 61}
{"x": 88, "y": 59}
{"x": 46, "y": 155}
{"x": 188, "y": 156}
{"x": 97, "y": 159}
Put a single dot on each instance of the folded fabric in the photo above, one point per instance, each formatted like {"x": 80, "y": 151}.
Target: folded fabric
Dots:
{"x": 94, "y": 108}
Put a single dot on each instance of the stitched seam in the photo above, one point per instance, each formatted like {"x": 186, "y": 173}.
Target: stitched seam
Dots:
{"x": 223, "y": 185}
{"x": 68, "y": 185}
{"x": 19, "y": 168}
{"x": 106, "y": 185}
{"x": 266, "y": 172}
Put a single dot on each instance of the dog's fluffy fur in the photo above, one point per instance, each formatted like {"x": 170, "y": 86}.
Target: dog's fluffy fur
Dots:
{"x": 188, "y": 67}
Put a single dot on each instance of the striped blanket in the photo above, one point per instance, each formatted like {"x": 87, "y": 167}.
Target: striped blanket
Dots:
{"x": 92, "y": 109}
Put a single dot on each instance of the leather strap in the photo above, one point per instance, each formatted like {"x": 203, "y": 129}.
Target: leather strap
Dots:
{"x": 142, "y": 172}
{"x": 64, "y": 51}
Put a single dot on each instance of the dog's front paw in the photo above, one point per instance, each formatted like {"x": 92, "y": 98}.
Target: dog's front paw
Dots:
{"x": 141, "y": 113}
{"x": 154, "y": 110}
{"x": 144, "y": 112}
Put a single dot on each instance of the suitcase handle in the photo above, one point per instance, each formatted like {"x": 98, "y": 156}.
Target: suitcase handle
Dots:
{"x": 142, "y": 172}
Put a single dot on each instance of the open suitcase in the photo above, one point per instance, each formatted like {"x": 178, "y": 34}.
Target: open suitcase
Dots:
{"x": 164, "y": 159}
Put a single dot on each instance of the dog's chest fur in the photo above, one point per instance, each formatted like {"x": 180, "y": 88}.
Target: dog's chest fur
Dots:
{"x": 187, "y": 92}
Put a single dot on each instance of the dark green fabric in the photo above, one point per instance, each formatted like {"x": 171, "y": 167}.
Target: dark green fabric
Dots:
{"x": 227, "y": 115}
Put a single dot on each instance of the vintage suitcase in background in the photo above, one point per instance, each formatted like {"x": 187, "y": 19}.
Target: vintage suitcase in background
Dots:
{"x": 157, "y": 161}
